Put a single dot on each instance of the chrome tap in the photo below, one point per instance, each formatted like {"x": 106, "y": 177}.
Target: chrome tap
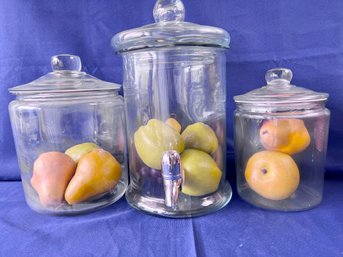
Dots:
{"x": 172, "y": 177}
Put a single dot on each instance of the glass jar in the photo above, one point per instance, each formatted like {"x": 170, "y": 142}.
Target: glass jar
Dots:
{"x": 69, "y": 133}
{"x": 175, "y": 95}
{"x": 281, "y": 136}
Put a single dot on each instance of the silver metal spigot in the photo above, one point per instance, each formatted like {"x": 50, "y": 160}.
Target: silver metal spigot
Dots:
{"x": 172, "y": 177}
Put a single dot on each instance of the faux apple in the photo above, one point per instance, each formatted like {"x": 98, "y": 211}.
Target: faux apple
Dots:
{"x": 284, "y": 135}
{"x": 273, "y": 175}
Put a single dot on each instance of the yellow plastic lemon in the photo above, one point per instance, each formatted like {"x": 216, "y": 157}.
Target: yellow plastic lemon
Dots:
{"x": 200, "y": 136}
{"x": 202, "y": 176}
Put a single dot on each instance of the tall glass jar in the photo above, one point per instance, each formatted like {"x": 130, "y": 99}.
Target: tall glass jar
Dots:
{"x": 281, "y": 136}
{"x": 175, "y": 95}
{"x": 69, "y": 133}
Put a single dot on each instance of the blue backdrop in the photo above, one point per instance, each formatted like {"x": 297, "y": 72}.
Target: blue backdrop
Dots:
{"x": 300, "y": 35}
{"x": 305, "y": 36}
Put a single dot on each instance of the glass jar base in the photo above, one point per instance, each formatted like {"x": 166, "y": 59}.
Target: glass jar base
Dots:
{"x": 187, "y": 206}
{"x": 304, "y": 198}
{"x": 81, "y": 208}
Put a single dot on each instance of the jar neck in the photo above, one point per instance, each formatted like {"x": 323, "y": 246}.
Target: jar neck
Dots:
{"x": 281, "y": 108}
{"x": 70, "y": 96}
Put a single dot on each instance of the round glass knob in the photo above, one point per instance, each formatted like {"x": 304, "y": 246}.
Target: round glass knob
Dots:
{"x": 65, "y": 62}
{"x": 279, "y": 75}
{"x": 169, "y": 10}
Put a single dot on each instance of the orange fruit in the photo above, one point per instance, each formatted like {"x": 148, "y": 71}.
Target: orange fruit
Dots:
{"x": 284, "y": 135}
{"x": 273, "y": 175}
{"x": 174, "y": 124}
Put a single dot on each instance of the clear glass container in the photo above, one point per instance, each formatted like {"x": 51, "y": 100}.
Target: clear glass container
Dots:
{"x": 175, "y": 95}
{"x": 69, "y": 133}
{"x": 281, "y": 136}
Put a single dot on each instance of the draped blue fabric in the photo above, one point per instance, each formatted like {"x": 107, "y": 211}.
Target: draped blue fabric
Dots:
{"x": 305, "y": 36}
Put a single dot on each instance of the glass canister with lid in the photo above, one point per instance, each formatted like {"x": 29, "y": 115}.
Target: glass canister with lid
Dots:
{"x": 69, "y": 133}
{"x": 175, "y": 94}
{"x": 281, "y": 133}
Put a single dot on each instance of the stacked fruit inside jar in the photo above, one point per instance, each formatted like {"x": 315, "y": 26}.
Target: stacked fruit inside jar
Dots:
{"x": 81, "y": 173}
{"x": 197, "y": 144}
{"x": 273, "y": 173}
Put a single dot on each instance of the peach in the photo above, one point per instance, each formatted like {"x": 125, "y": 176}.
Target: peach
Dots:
{"x": 285, "y": 135}
{"x": 52, "y": 172}
{"x": 273, "y": 175}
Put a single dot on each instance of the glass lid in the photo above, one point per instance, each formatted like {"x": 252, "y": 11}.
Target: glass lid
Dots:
{"x": 169, "y": 30}
{"x": 66, "y": 77}
{"x": 279, "y": 90}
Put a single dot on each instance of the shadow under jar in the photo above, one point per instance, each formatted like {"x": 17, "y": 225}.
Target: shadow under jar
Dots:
{"x": 69, "y": 133}
{"x": 175, "y": 95}
{"x": 281, "y": 136}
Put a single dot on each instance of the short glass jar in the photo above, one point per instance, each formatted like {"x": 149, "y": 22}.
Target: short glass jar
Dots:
{"x": 69, "y": 133}
{"x": 281, "y": 136}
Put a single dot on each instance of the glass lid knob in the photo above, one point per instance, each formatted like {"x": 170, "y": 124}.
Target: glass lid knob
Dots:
{"x": 169, "y": 10}
{"x": 279, "y": 76}
{"x": 65, "y": 62}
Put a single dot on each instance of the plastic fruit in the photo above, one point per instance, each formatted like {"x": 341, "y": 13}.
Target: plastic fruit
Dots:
{"x": 273, "y": 175}
{"x": 155, "y": 138}
{"x": 201, "y": 174}
{"x": 171, "y": 122}
{"x": 200, "y": 136}
{"x": 284, "y": 135}
{"x": 218, "y": 157}
{"x": 52, "y": 172}
{"x": 77, "y": 151}
{"x": 97, "y": 172}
